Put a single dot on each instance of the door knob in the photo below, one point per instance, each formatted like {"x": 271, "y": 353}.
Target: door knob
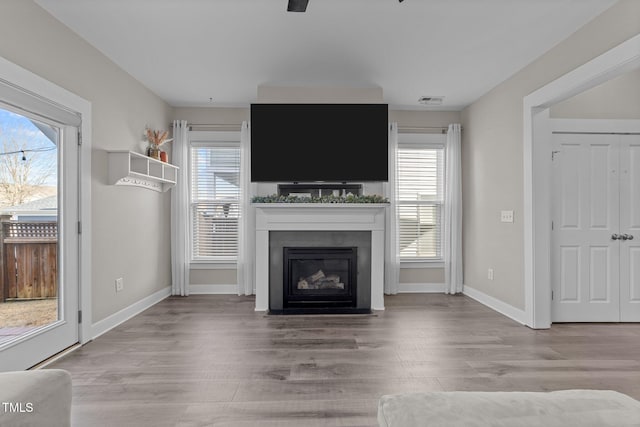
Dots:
{"x": 615, "y": 237}
{"x": 627, "y": 237}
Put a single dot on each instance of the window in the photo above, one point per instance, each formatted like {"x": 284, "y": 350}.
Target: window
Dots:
{"x": 215, "y": 201}
{"x": 420, "y": 197}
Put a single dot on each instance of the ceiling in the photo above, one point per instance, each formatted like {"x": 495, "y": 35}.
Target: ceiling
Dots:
{"x": 217, "y": 52}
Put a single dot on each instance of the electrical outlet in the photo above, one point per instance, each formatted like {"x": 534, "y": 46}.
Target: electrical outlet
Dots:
{"x": 119, "y": 284}
{"x": 506, "y": 216}
{"x": 490, "y": 274}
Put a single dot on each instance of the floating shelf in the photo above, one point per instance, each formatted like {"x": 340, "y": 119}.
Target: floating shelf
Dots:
{"x": 130, "y": 168}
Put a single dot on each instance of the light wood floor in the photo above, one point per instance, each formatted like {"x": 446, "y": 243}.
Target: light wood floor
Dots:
{"x": 212, "y": 360}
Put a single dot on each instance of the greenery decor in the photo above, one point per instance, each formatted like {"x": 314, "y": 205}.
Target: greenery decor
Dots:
{"x": 274, "y": 198}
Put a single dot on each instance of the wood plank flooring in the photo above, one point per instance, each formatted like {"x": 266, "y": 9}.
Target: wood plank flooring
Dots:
{"x": 211, "y": 360}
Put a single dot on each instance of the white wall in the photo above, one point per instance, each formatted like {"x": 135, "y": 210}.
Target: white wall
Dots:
{"x": 493, "y": 154}
{"x": 130, "y": 225}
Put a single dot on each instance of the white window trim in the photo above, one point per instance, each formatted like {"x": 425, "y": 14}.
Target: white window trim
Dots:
{"x": 206, "y": 139}
{"x": 435, "y": 141}
{"x": 212, "y": 265}
{"x": 419, "y": 264}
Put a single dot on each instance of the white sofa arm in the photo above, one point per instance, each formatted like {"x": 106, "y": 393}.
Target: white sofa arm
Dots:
{"x": 564, "y": 408}
{"x": 35, "y": 398}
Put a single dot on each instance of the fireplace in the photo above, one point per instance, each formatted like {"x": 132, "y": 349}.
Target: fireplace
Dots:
{"x": 319, "y": 225}
{"x": 319, "y": 278}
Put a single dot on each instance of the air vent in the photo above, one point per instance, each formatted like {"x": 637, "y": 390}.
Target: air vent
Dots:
{"x": 431, "y": 100}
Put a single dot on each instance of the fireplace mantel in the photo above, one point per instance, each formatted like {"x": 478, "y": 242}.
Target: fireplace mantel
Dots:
{"x": 319, "y": 217}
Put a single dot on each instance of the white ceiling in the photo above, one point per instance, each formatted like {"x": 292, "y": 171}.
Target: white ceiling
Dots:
{"x": 188, "y": 51}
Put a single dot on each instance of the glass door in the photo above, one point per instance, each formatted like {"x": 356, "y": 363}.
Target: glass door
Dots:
{"x": 38, "y": 238}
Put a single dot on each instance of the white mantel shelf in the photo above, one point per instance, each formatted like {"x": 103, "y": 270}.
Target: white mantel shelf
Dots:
{"x": 319, "y": 217}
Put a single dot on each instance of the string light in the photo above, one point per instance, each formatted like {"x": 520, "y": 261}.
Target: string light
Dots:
{"x": 28, "y": 150}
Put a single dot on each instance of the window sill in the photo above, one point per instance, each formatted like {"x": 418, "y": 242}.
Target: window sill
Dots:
{"x": 208, "y": 265}
{"x": 421, "y": 264}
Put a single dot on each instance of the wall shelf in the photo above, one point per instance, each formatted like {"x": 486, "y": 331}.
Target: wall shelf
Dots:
{"x": 135, "y": 169}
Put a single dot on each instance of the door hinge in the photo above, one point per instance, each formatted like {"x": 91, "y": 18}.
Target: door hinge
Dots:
{"x": 79, "y": 137}
{"x": 551, "y": 295}
{"x": 79, "y": 316}
{"x": 551, "y": 225}
{"x": 553, "y": 155}
{"x": 79, "y": 227}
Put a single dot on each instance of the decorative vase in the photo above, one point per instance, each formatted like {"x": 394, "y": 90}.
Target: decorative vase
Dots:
{"x": 154, "y": 152}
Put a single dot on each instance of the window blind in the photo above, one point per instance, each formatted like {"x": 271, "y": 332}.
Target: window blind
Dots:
{"x": 420, "y": 201}
{"x": 215, "y": 196}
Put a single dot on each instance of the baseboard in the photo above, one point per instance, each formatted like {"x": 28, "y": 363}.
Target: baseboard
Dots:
{"x": 421, "y": 288}
{"x": 105, "y": 325}
{"x": 213, "y": 289}
{"x": 495, "y": 304}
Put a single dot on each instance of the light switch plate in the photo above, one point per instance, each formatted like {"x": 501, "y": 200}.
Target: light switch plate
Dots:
{"x": 506, "y": 216}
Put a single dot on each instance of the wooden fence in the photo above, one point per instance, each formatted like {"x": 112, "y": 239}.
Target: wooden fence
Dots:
{"x": 29, "y": 260}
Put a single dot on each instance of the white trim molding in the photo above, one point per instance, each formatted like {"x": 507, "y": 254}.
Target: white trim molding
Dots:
{"x": 537, "y": 191}
{"x": 205, "y": 265}
{"x": 105, "y": 325}
{"x": 85, "y": 247}
{"x": 495, "y": 304}
{"x": 420, "y": 264}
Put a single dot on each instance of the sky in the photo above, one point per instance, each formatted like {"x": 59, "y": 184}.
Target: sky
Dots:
{"x": 14, "y": 127}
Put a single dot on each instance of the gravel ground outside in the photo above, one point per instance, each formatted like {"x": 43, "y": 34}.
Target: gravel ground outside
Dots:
{"x": 28, "y": 313}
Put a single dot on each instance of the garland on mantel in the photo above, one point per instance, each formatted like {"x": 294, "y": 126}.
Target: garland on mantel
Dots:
{"x": 274, "y": 198}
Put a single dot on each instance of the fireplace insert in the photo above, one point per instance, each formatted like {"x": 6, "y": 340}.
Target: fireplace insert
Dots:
{"x": 320, "y": 279}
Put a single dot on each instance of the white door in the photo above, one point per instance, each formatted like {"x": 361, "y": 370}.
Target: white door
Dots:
{"x": 40, "y": 319}
{"x": 630, "y": 228}
{"x": 595, "y": 210}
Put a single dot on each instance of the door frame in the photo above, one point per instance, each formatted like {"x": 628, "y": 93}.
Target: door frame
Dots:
{"x": 41, "y": 88}
{"x": 622, "y": 58}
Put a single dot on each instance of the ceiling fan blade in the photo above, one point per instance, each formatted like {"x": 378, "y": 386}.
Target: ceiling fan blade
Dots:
{"x": 297, "y": 5}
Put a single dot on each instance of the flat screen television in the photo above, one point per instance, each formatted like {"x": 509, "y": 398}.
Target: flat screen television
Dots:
{"x": 319, "y": 142}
